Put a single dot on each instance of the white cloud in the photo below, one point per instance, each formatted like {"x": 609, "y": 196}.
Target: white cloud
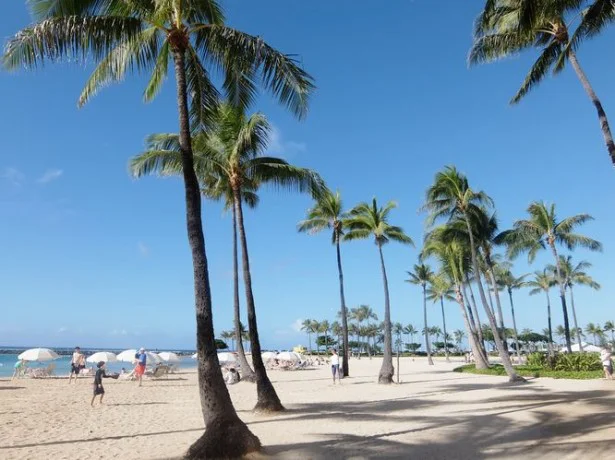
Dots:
{"x": 13, "y": 176}
{"x": 143, "y": 249}
{"x": 296, "y": 326}
{"x": 119, "y": 332}
{"x": 280, "y": 146}
{"x": 62, "y": 330}
{"x": 49, "y": 176}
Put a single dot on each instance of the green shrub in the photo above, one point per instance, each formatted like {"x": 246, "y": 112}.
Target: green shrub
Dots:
{"x": 532, "y": 371}
{"x": 578, "y": 362}
{"x": 537, "y": 360}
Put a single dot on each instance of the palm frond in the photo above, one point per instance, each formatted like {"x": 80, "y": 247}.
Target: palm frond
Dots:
{"x": 538, "y": 71}
{"x": 202, "y": 92}
{"x": 158, "y": 74}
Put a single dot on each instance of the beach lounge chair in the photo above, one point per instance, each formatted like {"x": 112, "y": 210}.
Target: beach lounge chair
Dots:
{"x": 160, "y": 371}
{"x": 39, "y": 373}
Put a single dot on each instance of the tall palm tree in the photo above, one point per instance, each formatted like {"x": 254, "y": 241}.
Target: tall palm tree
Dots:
{"x": 398, "y": 330}
{"x": 451, "y": 196}
{"x": 543, "y": 281}
{"x": 575, "y": 274}
{"x": 543, "y": 230}
{"x": 229, "y": 335}
{"x": 327, "y": 213}
{"x": 307, "y": 326}
{"x": 506, "y": 27}
{"x": 230, "y": 159}
{"x": 410, "y": 330}
{"x": 459, "y": 335}
{"x": 421, "y": 276}
{"x": 368, "y": 220}
{"x": 560, "y": 331}
{"x": 609, "y": 326}
{"x": 337, "y": 331}
{"x": 325, "y": 327}
{"x": 143, "y": 37}
{"x": 316, "y": 326}
{"x": 440, "y": 289}
{"x": 511, "y": 282}
{"x": 595, "y": 330}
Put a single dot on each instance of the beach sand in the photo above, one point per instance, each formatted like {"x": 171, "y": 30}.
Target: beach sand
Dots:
{"x": 434, "y": 413}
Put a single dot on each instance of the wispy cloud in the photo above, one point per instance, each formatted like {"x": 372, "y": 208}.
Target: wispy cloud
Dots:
{"x": 49, "y": 176}
{"x": 296, "y": 326}
{"x": 119, "y": 332}
{"x": 62, "y": 330}
{"x": 13, "y": 176}
{"x": 283, "y": 147}
{"x": 143, "y": 249}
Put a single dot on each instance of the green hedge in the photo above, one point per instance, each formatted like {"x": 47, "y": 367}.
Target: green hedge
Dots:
{"x": 532, "y": 371}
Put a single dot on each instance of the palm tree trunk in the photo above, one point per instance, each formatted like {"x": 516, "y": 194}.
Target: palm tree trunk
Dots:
{"x": 386, "y": 370}
{"x": 247, "y": 373}
{"x": 345, "y": 354}
{"x": 478, "y": 325}
{"x": 426, "y": 328}
{"x": 444, "y": 327}
{"x": 512, "y": 311}
{"x": 267, "y": 398}
{"x": 225, "y": 434}
{"x": 574, "y": 318}
{"x": 562, "y": 295}
{"x": 512, "y": 375}
{"x": 480, "y": 357}
{"x": 490, "y": 296}
{"x": 498, "y": 304}
{"x": 549, "y": 319}
{"x": 604, "y": 122}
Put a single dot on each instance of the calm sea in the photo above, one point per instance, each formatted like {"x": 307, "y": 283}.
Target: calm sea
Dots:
{"x": 7, "y": 362}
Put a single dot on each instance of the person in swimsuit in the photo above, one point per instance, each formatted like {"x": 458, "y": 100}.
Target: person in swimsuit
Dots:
{"x": 141, "y": 359}
{"x": 76, "y": 364}
{"x": 335, "y": 366}
{"x": 98, "y": 387}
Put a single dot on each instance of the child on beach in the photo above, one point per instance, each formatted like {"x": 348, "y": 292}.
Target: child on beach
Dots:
{"x": 98, "y": 387}
{"x": 141, "y": 358}
{"x": 335, "y": 366}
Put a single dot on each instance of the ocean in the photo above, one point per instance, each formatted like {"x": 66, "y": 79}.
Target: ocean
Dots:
{"x": 7, "y": 361}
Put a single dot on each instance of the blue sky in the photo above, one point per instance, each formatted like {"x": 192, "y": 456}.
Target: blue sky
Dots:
{"x": 90, "y": 256}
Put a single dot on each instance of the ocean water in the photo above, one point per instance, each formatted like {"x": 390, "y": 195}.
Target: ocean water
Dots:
{"x": 7, "y": 361}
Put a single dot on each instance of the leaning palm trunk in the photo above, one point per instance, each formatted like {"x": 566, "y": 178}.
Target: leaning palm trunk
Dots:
{"x": 345, "y": 353}
{"x": 604, "y": 122}
{"x": 247, "y": 374}
{"x": 225, "y": 434}
{"x": 512, "y": 375}
{"x": 386, "y": 370}
{"x": 574, "y": 318}
{"x": 498, "y": 304}
{"x": 267, "y": 398}
{"x": 512, "y": 311}
{"x": 478, "y": 325}
{"x": 480, "y": 357}
{"x": 549, "y": 321}
{"x": 444, "y": 328}
{"x": 426, "y": 329}
{"x": 562, "y": 295}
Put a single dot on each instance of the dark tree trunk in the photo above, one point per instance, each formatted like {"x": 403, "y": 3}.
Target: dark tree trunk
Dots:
{"x": 267, "y": 398}
{"x": 247, "y": 374}
{"x": 480, "y": 357}
{"x": 604, "y": 122}
{"x": 498, "y": 304}
{"x": 386, "y": 371}
{"x": 225, "y": 434}
{"x": 510, "y": 371}
{"x": 549, "y": 320}
{"x": 345, "y": 355}
{"x": 512, "y": 311}
{"x": 426, "y": 328}
{"x": 574, "y": 319}
{"x": 562, "y": 296}
{"x": 444, "y": 327}
{"x": 479, "y": 326}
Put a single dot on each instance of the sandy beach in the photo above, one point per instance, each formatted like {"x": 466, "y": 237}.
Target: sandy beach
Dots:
{"x": 434, "y": 413}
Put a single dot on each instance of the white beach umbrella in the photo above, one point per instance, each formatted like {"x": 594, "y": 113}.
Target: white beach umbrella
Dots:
{"x": 268, "y": 355}
{"x": 38, "y": 354}
{"x": 169, "y": 357}
{"x": 128, "y": 356}
{"x": 105, "y": 356}
{"x": 226, "y": 358}
{"x": 288, "y": 356}
{"x": 195, "y": 356}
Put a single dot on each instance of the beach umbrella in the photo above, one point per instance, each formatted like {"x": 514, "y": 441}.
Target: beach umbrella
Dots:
{"x": 226, "y": 358}
{"x": 105, "y": 356}
{"x": 128, "y": 356}
{"x": 268, "y": 355}
{"x": 195, "y": 356}
{"x": 288, "y": 356}
{"x": 169, "y": 357}
{"x": 38, "y": 354}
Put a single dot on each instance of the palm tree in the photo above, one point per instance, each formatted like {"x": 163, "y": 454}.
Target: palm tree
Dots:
{"x": 421, "y": 276}
{"x": 229, "y": 335}
{"x": 325, "y": 327}
{"x": 327, "y": 213}
{"x": 506, "y": 27}
{"x": 316, "y": 326}
{"x": 307, "y": 326}
{"x": 451, "y": 196}
{"x": 543, "y": 282}
{"x": 398, "y": 330}
{"x": 609, "y": 326}
{"x": 440, "y": 289}
{"x": 459, "y": 335}
{"x": 543, "y": 230}
{"x": 365, "y": 221}
{"x": 595, "y": 330}
{"x": 560, "y": 331}
{"x": 507, "y": 280}
{"x": 410, "y": 330}
{"x": 575, "y": 274}
{"x": 337, "y": 331}
{"x": 143, "y": 37}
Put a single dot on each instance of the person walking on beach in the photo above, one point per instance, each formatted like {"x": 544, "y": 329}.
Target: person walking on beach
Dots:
{"x": 98, "y": 386}
{"x": 607, "y": 363}
{"x": 19, "y": 369}
{"x": 141, "y": 359}
{"x": 76, "y": 364}
{"x": 335, "y": 366}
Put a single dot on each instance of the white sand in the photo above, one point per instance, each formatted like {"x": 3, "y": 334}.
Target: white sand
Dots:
{"x": 434, "y": 413}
